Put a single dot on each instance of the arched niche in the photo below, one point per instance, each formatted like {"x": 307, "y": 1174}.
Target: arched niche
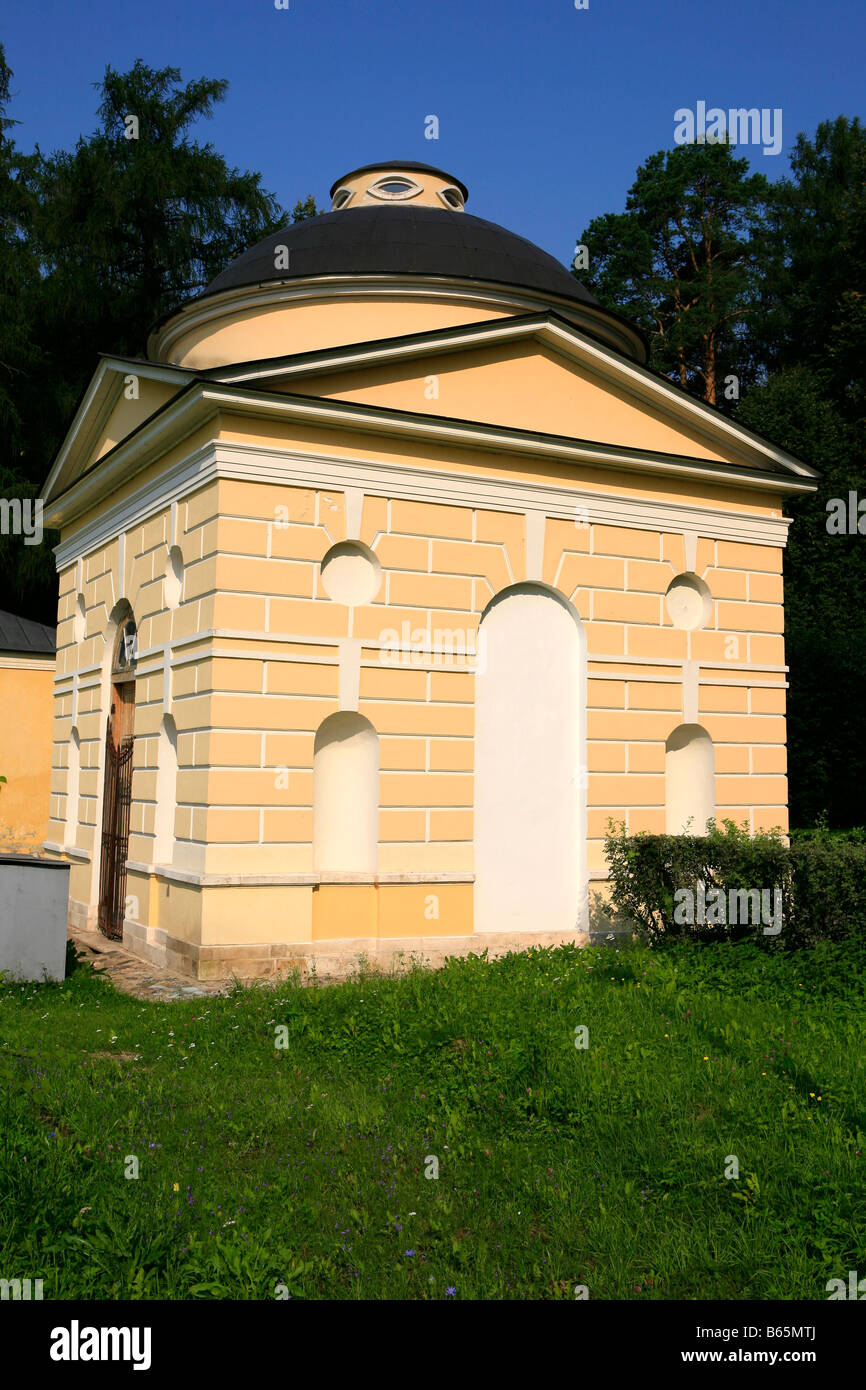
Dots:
{"x": 173, "y": 590}
{"x": 166, "y": 792}
{"x": 530, "y": 799}
{"x": 346, "y": 795}
{"x": 73, "y": 784}
{"x": 690, "y": 784}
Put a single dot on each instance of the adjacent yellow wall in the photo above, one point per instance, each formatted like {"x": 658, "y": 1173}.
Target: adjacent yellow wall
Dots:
{"x": 26, "y": 701}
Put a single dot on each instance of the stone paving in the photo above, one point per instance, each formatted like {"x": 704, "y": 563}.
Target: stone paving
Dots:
{"x": 138, "y": 977}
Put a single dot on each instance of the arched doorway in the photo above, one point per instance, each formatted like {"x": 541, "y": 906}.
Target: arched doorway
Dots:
{"x": 530, "y": 779}
{"x": 117, "y": 792}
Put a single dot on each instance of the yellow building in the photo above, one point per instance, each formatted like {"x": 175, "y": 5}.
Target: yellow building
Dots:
{"x": 387, "y": 579}
{"x": 26, "y": 709}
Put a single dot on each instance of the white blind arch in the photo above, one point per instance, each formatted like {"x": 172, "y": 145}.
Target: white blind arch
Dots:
{"x": 690, "y": 783}
{"x": 530, "y": 784}
{"x": 346, "y": 795}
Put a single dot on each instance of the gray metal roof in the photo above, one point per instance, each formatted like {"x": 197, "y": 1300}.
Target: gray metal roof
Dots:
{"x": 403, "y": 240}
{"x": 23, "y": 635}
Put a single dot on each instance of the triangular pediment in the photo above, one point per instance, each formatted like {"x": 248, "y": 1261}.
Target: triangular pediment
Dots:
{"x": 525, "y": 386}
{"x": 532, "y": 382}
{"x": 122, "y": 395}
{"x": 534, "y": 372}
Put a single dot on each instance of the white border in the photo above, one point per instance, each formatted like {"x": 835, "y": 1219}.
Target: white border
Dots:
{"x": 297, "y": 468}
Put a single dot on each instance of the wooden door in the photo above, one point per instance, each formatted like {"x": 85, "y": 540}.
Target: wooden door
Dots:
{"x": 117, "y": 799}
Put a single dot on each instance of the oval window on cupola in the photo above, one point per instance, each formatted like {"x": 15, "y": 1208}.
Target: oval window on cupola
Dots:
{"x": 452, "y": 197}
{"x": 341, "y": 198}
{"x": 394, "y": 188}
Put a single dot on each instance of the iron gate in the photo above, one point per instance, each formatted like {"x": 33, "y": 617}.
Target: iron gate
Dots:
{"x": 115, "y": 835}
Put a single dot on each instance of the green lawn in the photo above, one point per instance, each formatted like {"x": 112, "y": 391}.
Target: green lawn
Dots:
{"x": 558, "y": 1166}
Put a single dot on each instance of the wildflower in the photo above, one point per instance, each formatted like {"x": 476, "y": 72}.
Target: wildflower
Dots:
{"x": 449, "y": 1293}
{"x": 176, "y": 1187}
{"x": 410, "y": 1253}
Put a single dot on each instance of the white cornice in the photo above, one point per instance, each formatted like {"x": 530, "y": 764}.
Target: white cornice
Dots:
{"x": 201, "y": 401}
{"x": 26, "y": 663}
{"x": 294, "y": 468}
{"x": 299, "y": 880}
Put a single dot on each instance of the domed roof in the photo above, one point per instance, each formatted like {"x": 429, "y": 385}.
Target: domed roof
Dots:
{"x": 401, "y": 240}
{"x": 392, "y": 225}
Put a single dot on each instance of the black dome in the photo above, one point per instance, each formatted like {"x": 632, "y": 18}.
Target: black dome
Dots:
{"x": 402, "y": 241}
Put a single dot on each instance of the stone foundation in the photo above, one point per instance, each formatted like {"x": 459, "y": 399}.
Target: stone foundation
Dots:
{"x": 332, "y": 959}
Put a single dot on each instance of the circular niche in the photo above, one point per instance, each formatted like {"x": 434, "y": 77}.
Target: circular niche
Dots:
{"x": 688, "y": 602}
{"x": 351, "y": 574}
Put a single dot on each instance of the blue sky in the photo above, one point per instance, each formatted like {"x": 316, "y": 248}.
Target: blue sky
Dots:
{"x": 544, "y": 111}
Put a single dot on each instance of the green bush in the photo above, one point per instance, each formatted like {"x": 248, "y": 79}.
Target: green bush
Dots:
{"x": 828, "y": 885}
{"x": 820, "y": 877}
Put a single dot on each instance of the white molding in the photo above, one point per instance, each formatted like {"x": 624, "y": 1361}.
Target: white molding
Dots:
{"x": 354, "y": 505}
{"x": 535, "y": 528}
{"x": 690, "y": 542}
{"x": 121, "y": 567}
{"x": 691, "y": 683}
{"x": 350, "y": 672}
{"x": 300, "y": 468}
{"x": 26, "y": 663}
{"x": 203, "y": 880}
{"x": 331, "y": 657}
{"x": 71, "y": 851}
{"x": 738, "y": 681}
{"x": 430, "y": 288}
{"x": 614, "y": 660}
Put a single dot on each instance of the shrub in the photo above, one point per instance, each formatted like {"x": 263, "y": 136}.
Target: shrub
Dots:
{"x": 828, "y": 884}
{"x": 820, "y": 877}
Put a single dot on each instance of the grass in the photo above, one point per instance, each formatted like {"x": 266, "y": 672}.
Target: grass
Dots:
{"x": 306, "y": 1166}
